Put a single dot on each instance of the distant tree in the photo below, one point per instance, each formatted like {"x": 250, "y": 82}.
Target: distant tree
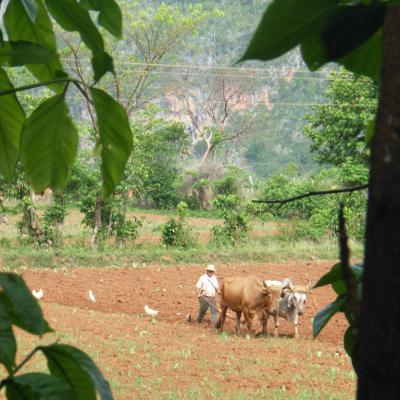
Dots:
{"x": 210, "y": 109}
{"x": 338, "y": 129}
{"x": 153, "y": 168}
{"x": 154, "y": 32}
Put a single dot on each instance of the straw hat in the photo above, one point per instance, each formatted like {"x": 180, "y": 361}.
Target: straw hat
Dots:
{"x": 211, "y": 267}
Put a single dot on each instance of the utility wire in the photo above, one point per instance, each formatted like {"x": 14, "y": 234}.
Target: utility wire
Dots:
{"x": 192, "y": 66}
{"x": 190, "y": 74}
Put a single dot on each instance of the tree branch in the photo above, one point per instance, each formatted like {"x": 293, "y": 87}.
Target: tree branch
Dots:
{"x": 36, "y": 85}
{"x": 309, "y": 194}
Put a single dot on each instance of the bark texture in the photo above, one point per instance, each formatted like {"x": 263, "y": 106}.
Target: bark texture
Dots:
{"x": 378, "y": 361}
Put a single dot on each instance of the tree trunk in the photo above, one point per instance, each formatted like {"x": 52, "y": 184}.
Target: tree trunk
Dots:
{"x": 97, "y": 221}
{"x": 379, "y": 343}
{"x": 210, "y": 148}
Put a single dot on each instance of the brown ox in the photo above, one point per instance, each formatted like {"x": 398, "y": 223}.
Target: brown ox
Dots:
{"x": 247, "y": 295}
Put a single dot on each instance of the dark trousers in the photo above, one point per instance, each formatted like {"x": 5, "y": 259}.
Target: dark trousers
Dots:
{"x": 206, "y": 303}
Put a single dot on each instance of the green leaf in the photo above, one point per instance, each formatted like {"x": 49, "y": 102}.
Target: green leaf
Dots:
{"x": 351, "y": 27}
{"x": 323, "y": 316}
{"x": 30, "y": 8}
{"x": 12, "y": 118}
{"x": 78, "y": 370}
{"x": 101, "y": 63}
{"x": 285, "y": 24}
{"x": 313, "y": 52}
{"x": 371, "y": 50}
{"x": 8, "y": 344}
{"x": 20, "y": 27}
{"x": 110, "y": 16}
{"x": 49, "y": 145}
{"x": 332, "y": 276}
{"x": 37, "y": 386}
{"x": 115, "y": 138}
{"x": 72, "y": 17}
{"x": 339, "y": 287}
{"x": 21, "y": 53}
{"x": 22, "y": 307}
{"x": 350, "y": 340}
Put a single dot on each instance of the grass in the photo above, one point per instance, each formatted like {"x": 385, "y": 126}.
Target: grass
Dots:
{"x": 135, "y": 256}
{"x": 263, "y": 245}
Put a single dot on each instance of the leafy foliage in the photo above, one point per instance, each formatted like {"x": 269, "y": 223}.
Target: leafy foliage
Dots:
{"x": 176, "y": 233}
{"x": 80, "y": 377}
{"x": 335, "y": 278}
{"x": 46, "y": 142}
{"x": 236, "y": 221}
{"x": 315, "y": 216}
{"x": 49, "y": 166}
{"x": 338, "y": 129}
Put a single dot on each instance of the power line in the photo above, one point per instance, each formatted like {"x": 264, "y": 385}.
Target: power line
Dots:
{"x": 192, "y": 66}
{"x": 272, "y": 103}
{"x": 210, "y": 74}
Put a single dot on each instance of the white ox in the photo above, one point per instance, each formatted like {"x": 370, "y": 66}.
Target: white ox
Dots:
{"x": 289, "y": 303}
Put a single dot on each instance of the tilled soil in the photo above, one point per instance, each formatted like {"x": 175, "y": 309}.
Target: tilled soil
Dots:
{"x": 122, "y": 293}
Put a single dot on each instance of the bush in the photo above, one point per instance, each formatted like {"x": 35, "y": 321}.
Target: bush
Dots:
{"x": 236, "y": 221}
{"x": 175, "y": 233}
{"x": 315, "y": 216}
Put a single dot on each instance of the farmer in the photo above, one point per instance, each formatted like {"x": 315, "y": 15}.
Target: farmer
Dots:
{"x": 207, "y": 287}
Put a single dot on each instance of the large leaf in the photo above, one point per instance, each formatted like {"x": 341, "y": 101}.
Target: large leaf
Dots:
{"x": 349, "y": 340}
{"x": 115, "y": 138}
{"x": 78, "y": 370}
{"x": 30, "y": 8}
{"x": 371, "y": 50}
{"x": 20, "y": 304}
{"x": 352, "y": 36}
{"x": 330, "y": 277}
{"x": 352, "y": 26}
{"x": 285, "y": 24}
{"x": 72, "y": 17}
{"x": 8, "y": 345}
{"x": 37, "y": 386}
{"x": 21, "y": 52}
{"x": 323, "y": 316}
{"x": 20, "y": 27}
{"x": 49, "y": 145}
{"x": 110, "y": 16}
{"x": 12, "y": 118}
{"x": 335, "y": 277}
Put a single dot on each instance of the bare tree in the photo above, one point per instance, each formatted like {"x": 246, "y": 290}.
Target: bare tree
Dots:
{"x": 210, "y": 112}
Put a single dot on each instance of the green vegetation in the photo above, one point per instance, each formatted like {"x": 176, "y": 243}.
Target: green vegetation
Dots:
{"x": 346, "y": 32}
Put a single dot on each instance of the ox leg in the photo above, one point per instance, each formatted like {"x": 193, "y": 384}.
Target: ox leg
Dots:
{"x": 222, "y": 317}
{"x": 296, "y": 330}
{"x": 238, "y": 315}
{"x": 276, "y": 324}
{"x": 265, "y": 323}
{"x": 248, "y": 320}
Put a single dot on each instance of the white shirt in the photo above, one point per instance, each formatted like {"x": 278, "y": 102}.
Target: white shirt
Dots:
{"x": 208, "y": 285}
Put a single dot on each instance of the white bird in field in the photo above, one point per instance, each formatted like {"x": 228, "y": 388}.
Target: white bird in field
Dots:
{"x": 91, "y": 296}
{"x": 149, "y": 311}
{"x": 37, "y": 293}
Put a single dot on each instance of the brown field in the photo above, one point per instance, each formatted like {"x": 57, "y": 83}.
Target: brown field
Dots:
{"x": 168, "y": 358}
